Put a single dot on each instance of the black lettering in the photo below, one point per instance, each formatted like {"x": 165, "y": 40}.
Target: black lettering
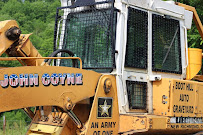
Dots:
{"x": 114, "y": 123}
{"x": 110, "y": 125}
{"x": 192, "y": 109}
{"x": 106, "y": 124}
{"x": 102, "y": 125}
{"x": 176, "y": 85}
{"x": 184, "y": 86}
{"x": 187, "y": 98}
{"x": 184, "y": 98}
{"x": 179, "y": 85}
{"x": 181, "y": 98}
{"x": 172, "y": 126}
{"x": 92, "y": 125}
{"x": 96, "y": 133}
{"x": 110, "y": 132}
{"x": 175, "y": 108}
{"x": 107, "y": 132}
{"x": 190, "y": 126}
{"x": 189, "y": 87}
{"x": 95, "y": 125}
{"x": 183, "y": 109}
{"x": 180, "y": 109}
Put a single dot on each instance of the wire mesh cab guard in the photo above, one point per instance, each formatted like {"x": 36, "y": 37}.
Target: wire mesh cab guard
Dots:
{"x": 88, "y": 31}
{"x": 149, "y": 54}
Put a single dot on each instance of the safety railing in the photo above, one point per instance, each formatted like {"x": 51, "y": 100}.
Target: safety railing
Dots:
{"x": 29, "y": 58}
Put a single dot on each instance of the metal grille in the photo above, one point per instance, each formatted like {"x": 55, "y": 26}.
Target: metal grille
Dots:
{"x": 137, "y": 92}
{"x": 137, "y": 38}
{"x": 89, "y": 33}
{"x": 166, "y": 45}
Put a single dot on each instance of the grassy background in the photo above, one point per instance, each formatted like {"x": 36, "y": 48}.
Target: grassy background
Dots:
{"x": 14, "y": 127}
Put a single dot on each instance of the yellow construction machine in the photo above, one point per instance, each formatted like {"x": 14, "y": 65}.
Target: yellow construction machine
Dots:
{"x": 118, "y": 67}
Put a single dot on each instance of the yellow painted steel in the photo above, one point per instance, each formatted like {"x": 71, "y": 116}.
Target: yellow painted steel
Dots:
{"x": 195, "y": 62}
{"x": 21, "y": 97}
{"x": 104, "y": 125}
{"x": 177, "y": 98}
{"x": 131, "y": 124}
{"x": 23, "y": 49}
{"x": 151, "y": 124}
{"x": 26, "y": 49}
{"x": 40, "y": 128}
{"x": 93, "y": 124}
{"x": 160, "y": 89}
{"x": 5, "y": 43}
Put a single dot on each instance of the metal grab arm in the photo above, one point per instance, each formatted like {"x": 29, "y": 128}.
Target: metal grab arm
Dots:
{"x": 40, "y": 93}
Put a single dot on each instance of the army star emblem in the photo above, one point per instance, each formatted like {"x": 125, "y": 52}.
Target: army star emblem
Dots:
{"x": 105, "y": 108}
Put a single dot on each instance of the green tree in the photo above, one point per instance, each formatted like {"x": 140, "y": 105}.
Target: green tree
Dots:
{"x": 194, "y": 38}
{"x": 33, "y": 16}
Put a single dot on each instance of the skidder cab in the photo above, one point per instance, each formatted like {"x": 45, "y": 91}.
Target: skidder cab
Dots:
{"x": 88, "y": 29}
{"x": 144, "y": 44}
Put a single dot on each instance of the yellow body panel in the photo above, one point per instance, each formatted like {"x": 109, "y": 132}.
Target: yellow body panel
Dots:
{"x": 195, "y": 62}
{"x": 179, "y": 98}
{"x": 46, "y": 129}
{"x": 108, "y": 125}
{"x": 5, "y": 43}
{"x": 26, "y": 49}
{"x": 23, "y": 49}
{"x": 26, "y": 96}
{"x": 172, "y": 99}
{"x": 132, "y": 123}
{"x": 151, "y": 124}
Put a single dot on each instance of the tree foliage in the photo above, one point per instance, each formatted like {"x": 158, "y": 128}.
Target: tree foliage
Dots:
{"x": 194, "y": 38}
{"x": 33, "y": 16}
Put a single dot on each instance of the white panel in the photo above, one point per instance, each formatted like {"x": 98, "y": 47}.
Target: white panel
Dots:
{"x": 163, "y": 7}
{"x": 154, "y": 77}
{"x": 133, "y": 76}
{"x": 168, "y": 9}
{"x": 138, "y": 3}
{"x": 64, "y": 3}
{"x": 188, "y": 19}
